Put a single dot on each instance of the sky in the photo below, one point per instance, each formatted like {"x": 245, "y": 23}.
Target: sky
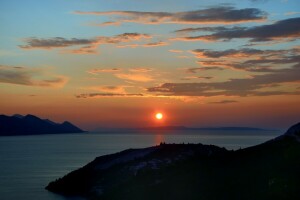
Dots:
{"x": 115, "y": 63}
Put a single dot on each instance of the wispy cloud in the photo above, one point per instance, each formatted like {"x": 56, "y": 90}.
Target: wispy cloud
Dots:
{"x": 152, "y": 44}
{"x": 136, "y": 74}
{"x": 205, "y": 29}
{"x": 213, "y": 15}
{"x": 176, "y": 51}
{"x": 89, "y": 45}
{"x": 101, "y": 95}
{"x": 30, "y": 77}
{"x": 140, "y": 69}
{"x": 197, "y": 77}
{"x": 109, "y": 23}
{"x": 253, "y": 60}
{"x": 194, "y": 70}
{"x": 224, "y": 102}
{"x": 97, "y": 71}
{"x": 137, "y": 77}
{"x": 114, "y": 89}
{"x": 231, "y": 53}
{"x": 284, "y": 30}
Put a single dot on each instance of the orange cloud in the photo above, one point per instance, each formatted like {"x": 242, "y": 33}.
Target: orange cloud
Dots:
{"x": 140, "y": 70}
{"x": 175, "y": 51}
{"x": 109, "y": 23}
{"x": 153, "y": 44}
{"x": 97, "y": 71}
{"x": 135, "y": 77}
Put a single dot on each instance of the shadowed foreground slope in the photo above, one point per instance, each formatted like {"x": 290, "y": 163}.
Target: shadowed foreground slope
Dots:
{"x": 192, "y": 171}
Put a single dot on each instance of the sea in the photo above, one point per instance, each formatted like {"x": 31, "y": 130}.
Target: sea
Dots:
{"x": 29, "y": 163}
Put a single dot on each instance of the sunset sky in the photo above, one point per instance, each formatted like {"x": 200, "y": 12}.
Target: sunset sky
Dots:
{"x": 115, "y": 63}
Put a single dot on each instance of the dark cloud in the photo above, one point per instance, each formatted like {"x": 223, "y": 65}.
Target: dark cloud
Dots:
{"x": 56, "y": 42}
{"x": 93, "y": 95}
{"x": 207, "y": 29}
{"x": 253, "y": 60}
{"x": 220, "y": 14}
{"x": 197, "y": 77}
{"x": 285, "y": 30}
{"x": 89, "y": 45}
{"x": 223, "y": 102}
{"x": 204, "y": 53}
{"x": 27, "y": 76}
{"x": 195, "y": 69}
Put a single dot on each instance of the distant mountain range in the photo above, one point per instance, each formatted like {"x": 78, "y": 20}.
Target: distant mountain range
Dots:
{"x": 203, "y": 128}
{"x": 32, "y": 125}
{"x": 177, "y": 128}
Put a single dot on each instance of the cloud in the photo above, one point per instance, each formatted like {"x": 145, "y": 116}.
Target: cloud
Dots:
{"x": 255, "y": 86}
{"x": 152, "y": 44}
{"x": 89, "y": 45}
{"x": 119, "y": 89}
{"x": 137, "y": 77}
{"x": 252, "y": 60}
{"x": 101, "y": 95}
{"x": 206, "y": 29}
{"x": 176, "y": 51}
{"x": 197, "y": 77}
{"x": 82, "y": 50}
{"x": 194, "y": 70}
{"x": 223, "y": 102}
{"x": 230, "y": 53}
{"x": 292, "y": 13}
{"x": 129, "y": 46}
{"x": 137, "y": 74}
{"x": 140, "y": 69}
{"x": 30, "y": 77}
{"x": 213, "y": 15}
{"x": 109, "y": 23}
{"x": 97, "y": 71}
{"x": 56, "y": 42}
{"x": 156, "y": 44}
{"x": 284, "y": 30}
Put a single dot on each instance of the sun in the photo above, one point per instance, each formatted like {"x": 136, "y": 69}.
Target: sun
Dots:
{"x": 159, "y": 116}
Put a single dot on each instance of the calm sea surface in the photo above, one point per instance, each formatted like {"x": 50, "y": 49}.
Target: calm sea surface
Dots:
{"x": 29, "y": 163}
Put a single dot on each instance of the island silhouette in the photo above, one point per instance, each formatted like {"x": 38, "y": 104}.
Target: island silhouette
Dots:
{"x": 268, "y": 171}
{"x": 33, "y": 125}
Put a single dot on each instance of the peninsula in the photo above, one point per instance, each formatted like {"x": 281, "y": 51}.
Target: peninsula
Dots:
{"x": 268, "y": 171}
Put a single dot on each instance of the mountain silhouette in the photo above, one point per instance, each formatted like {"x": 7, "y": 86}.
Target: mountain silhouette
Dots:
{"x": 32, "y": 125}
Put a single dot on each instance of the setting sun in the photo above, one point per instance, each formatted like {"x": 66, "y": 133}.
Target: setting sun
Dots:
{"x": 159, "y": 116}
